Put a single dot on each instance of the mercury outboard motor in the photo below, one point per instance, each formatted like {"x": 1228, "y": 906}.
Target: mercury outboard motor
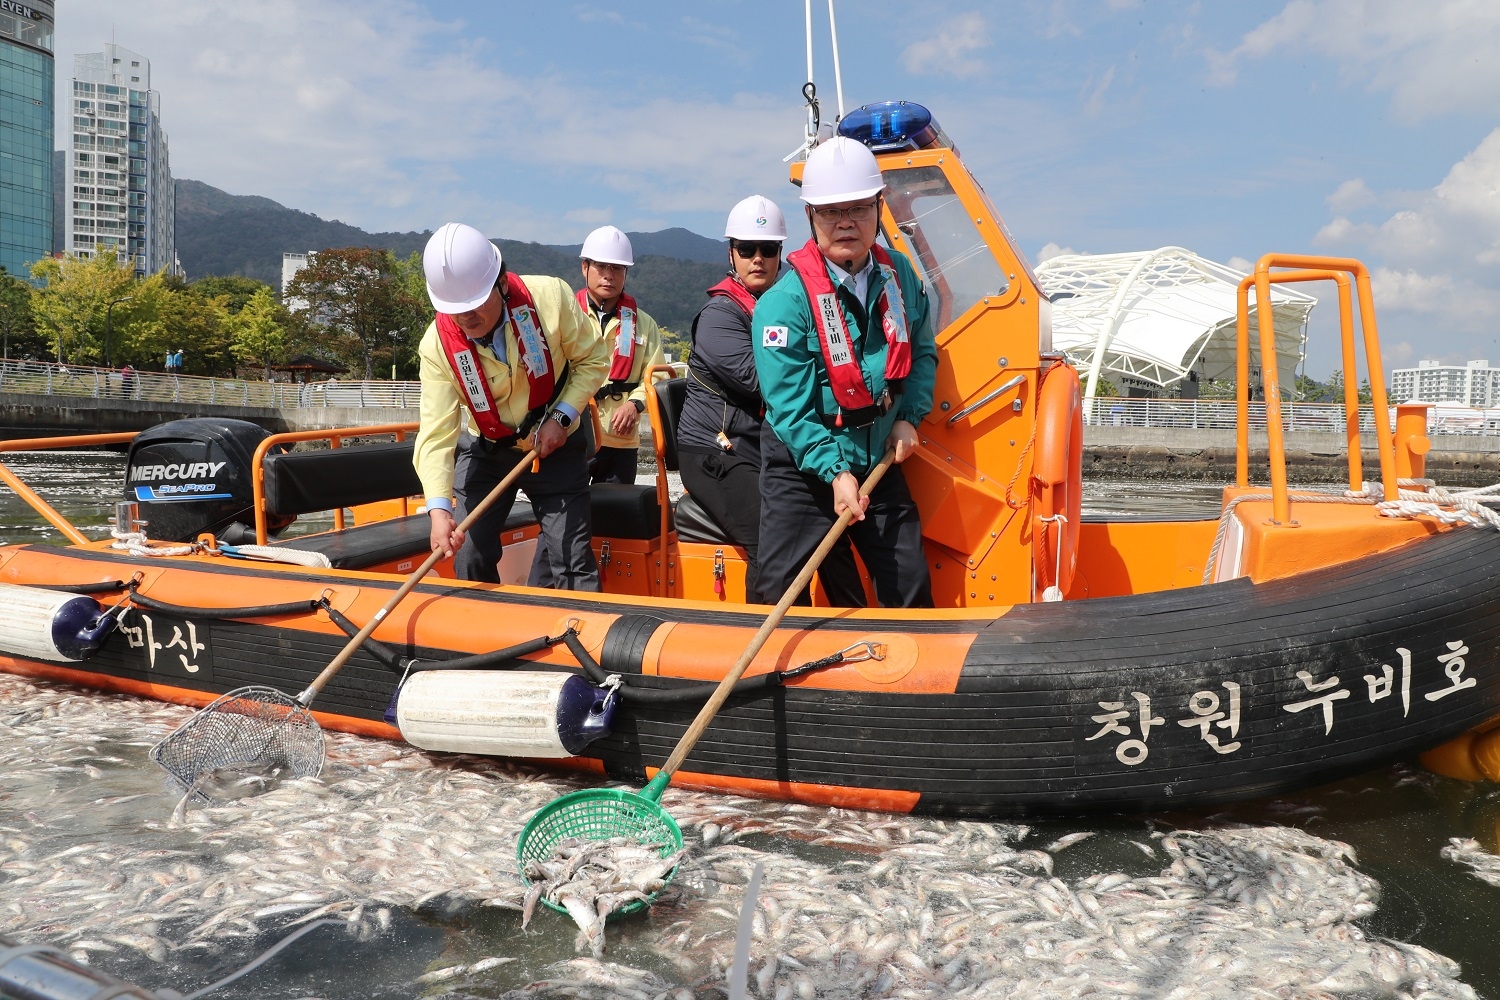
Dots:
{"x": 192, "y": 476}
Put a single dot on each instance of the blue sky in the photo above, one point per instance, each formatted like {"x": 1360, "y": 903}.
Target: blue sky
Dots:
{"x": 1367, "y": 129}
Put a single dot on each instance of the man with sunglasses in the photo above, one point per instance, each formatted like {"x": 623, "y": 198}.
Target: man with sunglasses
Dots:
{"x": 719, "y": 429}
{"x": 846, "y": 360}
{"x": 634, "y": 340}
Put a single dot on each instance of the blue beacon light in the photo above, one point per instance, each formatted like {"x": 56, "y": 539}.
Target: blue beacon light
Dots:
{"x": 892, "y": 125}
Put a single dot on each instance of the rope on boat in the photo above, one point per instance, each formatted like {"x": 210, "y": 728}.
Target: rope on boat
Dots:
{"x": 1468, "y": 507}
{"x": 135, "y": 543}
{"x": 107, "y": 587}
{"x": 263, "y": 611}
{"x": 1448, "y": 506}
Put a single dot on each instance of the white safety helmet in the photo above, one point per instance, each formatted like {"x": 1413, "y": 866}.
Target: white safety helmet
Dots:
{"x": 461, "y": 267}
{"x": 841, "y": 169}
{"x": 607, "y": 245}
{"x": 755, "y": 218}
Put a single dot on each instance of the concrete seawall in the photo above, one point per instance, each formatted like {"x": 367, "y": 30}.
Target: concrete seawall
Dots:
{"x": 1173, "y": 453}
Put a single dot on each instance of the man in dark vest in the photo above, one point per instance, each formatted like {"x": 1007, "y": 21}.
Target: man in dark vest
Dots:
{"x": 508, "y": 362}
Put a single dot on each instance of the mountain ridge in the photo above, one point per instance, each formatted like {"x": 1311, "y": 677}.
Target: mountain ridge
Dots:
{"x": 223, "y": 233}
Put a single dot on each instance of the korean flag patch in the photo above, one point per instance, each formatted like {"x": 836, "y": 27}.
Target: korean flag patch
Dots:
{"x": 773, "y": 336}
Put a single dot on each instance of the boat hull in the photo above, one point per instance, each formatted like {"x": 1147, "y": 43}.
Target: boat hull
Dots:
{"x": 1174, "y": 699}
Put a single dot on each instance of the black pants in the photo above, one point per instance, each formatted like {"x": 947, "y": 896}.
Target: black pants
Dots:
{"x": 796, "y": 511}
{"x": 729, "y": 489}
{"x": 614, "y": 465}
{"x": 559, "y": 493}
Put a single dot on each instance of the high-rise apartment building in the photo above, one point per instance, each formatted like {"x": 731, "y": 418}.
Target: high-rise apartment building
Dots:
{"x": 25, "y": 133}
{"x": 1474, "y": 384}
{"x": 120, "y": 176}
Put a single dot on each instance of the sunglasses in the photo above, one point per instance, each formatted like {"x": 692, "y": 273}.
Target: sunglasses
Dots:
{"x": 770, "y": 249}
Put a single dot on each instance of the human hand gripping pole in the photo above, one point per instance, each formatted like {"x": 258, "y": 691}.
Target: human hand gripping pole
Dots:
{"x": 311, "y": 691}
{"x": 604, "y": 813}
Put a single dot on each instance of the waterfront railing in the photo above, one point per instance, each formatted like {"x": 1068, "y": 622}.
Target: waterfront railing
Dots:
{"x": 46, "y": 379}
{"x": 1219, "y": 414}
{"x": 42, "y": 378}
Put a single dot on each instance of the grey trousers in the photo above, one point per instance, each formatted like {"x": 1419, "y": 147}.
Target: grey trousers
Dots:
{"x": 559, "y": 494}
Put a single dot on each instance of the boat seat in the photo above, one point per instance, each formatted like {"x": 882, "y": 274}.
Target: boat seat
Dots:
{"x": 623, "y": 510}
{"x": 695, "y": 524}
{"x": 380, "y": 542}
{"x": 670, "y": 395}
{"x": 304, "y": 482}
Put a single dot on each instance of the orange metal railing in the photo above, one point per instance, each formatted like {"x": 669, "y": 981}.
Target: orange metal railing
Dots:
{"x": 31, "y": 497}
{"x": 659, "y": 446}
{"x": 335, "y": 439}
{"x": 1309, "y": 268}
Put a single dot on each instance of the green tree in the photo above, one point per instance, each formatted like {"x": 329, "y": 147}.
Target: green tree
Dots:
{"x": 419, "y": 313}
{"x": 257, "y": 334}
{"x": 676, "y": 345}
{"x": 71, "y": 308}
{"x": 357, "y": 292}
{"x": 17, "y": 324}
{"x": 237, "y": 288}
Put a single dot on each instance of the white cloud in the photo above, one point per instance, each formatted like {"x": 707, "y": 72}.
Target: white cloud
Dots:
{"x": 952, "y": 50}
{"x": 1434, "y": 58}
{"x": 1053, "y": 250}
{"x": 385, "y": 115}
{"x": 1351, "y": 195}
{"x": 1094, "y": 103}
{"x": 1241, "y": 264}
{"x": 590, "y": 216}
{"x": 593, "y": 15}
{"x": 1435, "y": 253}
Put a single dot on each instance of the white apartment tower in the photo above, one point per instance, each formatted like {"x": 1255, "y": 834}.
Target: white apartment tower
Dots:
{"x": 1474, "y": 384}
{"x": 119, "y": 172}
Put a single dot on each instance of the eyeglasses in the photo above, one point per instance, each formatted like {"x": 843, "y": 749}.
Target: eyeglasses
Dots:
{"x": 828, "y": 214}
{"x": 770, "y": 250}
{"x": 606, "y": 267}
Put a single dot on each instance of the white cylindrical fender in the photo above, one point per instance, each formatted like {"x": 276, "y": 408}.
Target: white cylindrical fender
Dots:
{"x": 50, "y": 625}
{"x": 502, "y": 713}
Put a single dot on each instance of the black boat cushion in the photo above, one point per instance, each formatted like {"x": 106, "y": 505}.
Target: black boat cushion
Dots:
{"x": 622, "y": 510}
{"x": 301, "y": 482}
{"x": 380, "y": 542}
{"x": 694, "y": 524}
{"x": 670, "y": 395}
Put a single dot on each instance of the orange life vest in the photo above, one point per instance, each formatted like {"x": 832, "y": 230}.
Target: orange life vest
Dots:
{"x": 844, "y": 372}
{"x": 535, "y": 358}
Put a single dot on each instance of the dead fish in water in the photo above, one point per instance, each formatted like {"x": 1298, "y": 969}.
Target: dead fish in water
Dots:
{"x": 591, "y": 879}
{"x": 1067, "y": 840}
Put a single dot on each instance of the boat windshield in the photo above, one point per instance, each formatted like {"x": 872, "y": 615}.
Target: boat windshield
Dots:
{"x": 952, "y": 255}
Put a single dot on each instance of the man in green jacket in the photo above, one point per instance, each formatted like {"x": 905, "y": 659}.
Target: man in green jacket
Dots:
{"x": 845, "y": 355}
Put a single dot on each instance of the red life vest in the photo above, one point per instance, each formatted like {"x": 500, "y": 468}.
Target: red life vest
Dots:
{"x": 844, "y": 372}
{"x": 535, "y": 358}
{"x": 622, "y": 356}
{"x": 736, "y": 292}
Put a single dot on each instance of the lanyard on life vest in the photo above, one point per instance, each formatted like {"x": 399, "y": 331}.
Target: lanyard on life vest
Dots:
{"x": 535, "y": 357}
{"x": 622, "y": 356}
{"x": 844, "y": 372}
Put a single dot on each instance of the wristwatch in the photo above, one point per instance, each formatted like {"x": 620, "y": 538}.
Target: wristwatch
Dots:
{"x": 640, "y": 407}
{"x": 563, "y": 420}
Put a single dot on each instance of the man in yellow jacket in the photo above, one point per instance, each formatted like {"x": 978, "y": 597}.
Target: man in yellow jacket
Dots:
{"x": 508, "y": 363}
{"x": 634, "y": 342}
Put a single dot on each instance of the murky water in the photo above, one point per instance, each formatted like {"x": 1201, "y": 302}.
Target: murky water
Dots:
{"x": 1342, "y": 891}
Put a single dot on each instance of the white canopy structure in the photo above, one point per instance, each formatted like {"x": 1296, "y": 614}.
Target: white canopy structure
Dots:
{"x": 1157, "y": 315}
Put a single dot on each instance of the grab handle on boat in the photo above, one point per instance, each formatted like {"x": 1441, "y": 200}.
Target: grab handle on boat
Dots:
{"x": 988, "y": 398}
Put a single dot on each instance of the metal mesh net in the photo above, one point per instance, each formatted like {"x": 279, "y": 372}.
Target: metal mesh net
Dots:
{"x": 255, "y": 727}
